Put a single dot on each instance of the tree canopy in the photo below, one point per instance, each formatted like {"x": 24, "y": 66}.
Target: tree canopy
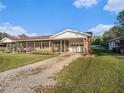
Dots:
{"x": 23, "y": 36}
{"x": 120, "y": 18}
{"x": 114, "y": 32}
{"x": 2, "y": 35}
{"x": 117, "y": 30}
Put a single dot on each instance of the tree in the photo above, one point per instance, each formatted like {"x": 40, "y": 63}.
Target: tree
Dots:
{"x": 113, "y": 33}
{"x": 23, "y": 36}
{"x": 120, "y": 18}
{"x": 116, "y": 31}
{"x": 2, "y": 35}
{"x": 97, "y": 40}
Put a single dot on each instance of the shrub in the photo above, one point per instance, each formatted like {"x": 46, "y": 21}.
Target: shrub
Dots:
{"x": 7, "y": 50}
{"x": 43, "y": 52}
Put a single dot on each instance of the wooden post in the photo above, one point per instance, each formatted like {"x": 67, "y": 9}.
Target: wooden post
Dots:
{"x": 54, "y": 45}
{"x": 64, "y": 45}
{"x": 69, "y": 46}
{"x": 20, "y": 47}
{"x": 41, "y": 46}
{"x": 26, "y": 46}
{"x": 49, "y": 45}
{"x": 34, "y": 46}
{"x": 60, "y": 45}
{"x": 16, "y": 46}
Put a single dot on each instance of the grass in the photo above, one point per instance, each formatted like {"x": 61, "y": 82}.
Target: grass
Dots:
{"x": 9, "y": 61}
{"x": 101, "y": 74}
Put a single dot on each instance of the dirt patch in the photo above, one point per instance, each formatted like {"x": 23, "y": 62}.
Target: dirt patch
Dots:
{"x": 42, "y": 89}
{"x": 34, "y": 78}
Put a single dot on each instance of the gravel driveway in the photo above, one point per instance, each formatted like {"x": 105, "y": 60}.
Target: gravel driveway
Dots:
{"x": 28, "y": 79}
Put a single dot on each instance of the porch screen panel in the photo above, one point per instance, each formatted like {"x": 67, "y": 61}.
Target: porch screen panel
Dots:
{"x": 45, "y": 45}
{"x": 37, "y": 45}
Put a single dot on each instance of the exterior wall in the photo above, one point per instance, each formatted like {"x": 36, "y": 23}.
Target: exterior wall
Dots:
{"x": 121, "y": 44}
{"x": 117, "y": 46}
{"x": 86, "y": 42}
{"x": 113, "y": 44}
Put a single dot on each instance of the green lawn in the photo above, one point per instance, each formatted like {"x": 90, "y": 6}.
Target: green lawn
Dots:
{"x": 9, "y": 61}
{"x": 101, "y": 74}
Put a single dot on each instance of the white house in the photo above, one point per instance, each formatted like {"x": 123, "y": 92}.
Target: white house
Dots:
{"x": 65, "y": 41}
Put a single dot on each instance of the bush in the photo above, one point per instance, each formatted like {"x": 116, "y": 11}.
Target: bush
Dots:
{"x": 7, "y": 50}
{"x": 43, "y": 52}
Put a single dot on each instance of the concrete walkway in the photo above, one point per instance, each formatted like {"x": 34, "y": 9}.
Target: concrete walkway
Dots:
{"x": 28, "y": 79}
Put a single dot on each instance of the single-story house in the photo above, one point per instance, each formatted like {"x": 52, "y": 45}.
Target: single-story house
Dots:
{"x": 116, "y": 45}
{"x": 65, "y": 41}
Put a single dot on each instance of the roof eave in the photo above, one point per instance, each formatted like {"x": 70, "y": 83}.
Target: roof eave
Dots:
{"x": 72, "y": 31}
{"x": 34, "y": 40}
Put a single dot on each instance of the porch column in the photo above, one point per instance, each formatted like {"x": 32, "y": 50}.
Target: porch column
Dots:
{"x": 34, "y": 46}
{"x": 60, "y": 45}
{"x": 49, "y": 45}
{"x": 16, "y": 47}
{"x": 41, "y": 45}
{"x": 20, "y": 49}
{"x": 26, "y": 46}
{"x": 54, "y": 45}
{"x": 64, "y": 45}
{"x": 84, "y": 43}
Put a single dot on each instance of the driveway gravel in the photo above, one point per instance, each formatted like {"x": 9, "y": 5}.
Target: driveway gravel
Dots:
{"x": 28, "y": 79}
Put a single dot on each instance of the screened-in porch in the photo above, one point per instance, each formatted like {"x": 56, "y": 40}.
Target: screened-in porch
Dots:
{"x": 71, "y": 45}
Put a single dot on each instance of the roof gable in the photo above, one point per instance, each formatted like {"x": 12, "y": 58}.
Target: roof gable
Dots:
{"x": 68, "y": 34}
{"x": 7, "y": 40}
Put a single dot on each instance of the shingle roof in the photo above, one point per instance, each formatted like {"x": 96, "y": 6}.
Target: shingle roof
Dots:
{"x": 33, "y": 38}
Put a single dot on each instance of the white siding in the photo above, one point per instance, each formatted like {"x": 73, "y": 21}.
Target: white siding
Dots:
{"x": 113, "y": 44}
{"x": 7, "y": 40}
{"x": 69, "y": 35}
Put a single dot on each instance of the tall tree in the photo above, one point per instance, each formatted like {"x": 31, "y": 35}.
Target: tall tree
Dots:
{"x": 97, "y": 40}
{"x": 113, "y": 33}
{"x": 120, "y": 18}
{"x": 23, "y": 36}
{"x": 117, "y": 30}
{"x": 2, "y": 35}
